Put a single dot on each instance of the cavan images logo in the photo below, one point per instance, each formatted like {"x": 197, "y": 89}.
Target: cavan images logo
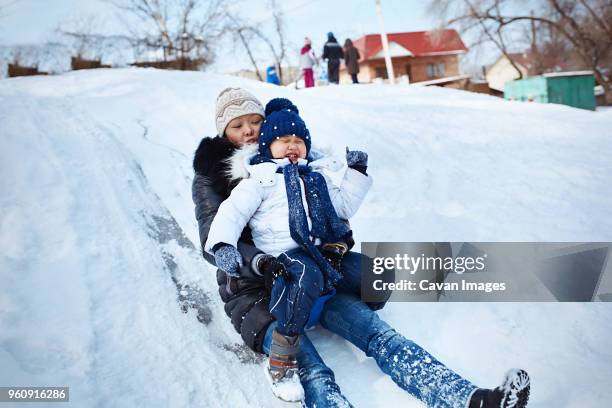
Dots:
{"x": 487, "y": 271}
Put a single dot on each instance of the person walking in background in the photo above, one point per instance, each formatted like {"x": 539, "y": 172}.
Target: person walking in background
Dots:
{"x": 332, "y": 52}
{"x": 307, "y": 61}
{"x": 351, "y": 59}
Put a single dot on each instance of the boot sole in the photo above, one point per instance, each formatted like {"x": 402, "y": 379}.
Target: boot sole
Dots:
{"x": 288, "y": 392}
{"x": 518, "y": 386}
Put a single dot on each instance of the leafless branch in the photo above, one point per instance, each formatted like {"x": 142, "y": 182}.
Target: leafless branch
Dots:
{"x": 584, "y": 25}
{"x": 184, "y": 30}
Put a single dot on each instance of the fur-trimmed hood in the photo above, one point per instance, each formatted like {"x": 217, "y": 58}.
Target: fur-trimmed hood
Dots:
{"x": 210, "y": 163}
{"x": 210, "y": 152}
{"x": 239, "y": 166}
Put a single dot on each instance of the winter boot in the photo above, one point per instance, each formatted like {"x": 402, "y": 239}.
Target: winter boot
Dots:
{"x": 513, "y": 393}
{"x": 282, "y": 367}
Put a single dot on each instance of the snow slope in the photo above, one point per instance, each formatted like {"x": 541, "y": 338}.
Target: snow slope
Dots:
{"x": 96, "y": 219}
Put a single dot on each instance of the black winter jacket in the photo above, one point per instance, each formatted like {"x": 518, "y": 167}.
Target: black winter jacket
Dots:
{"x": 246, "y": 298}
{"x": 332, "y": 50}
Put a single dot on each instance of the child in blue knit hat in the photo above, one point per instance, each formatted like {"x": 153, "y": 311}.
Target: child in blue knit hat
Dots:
{"x": 296, "y": 215}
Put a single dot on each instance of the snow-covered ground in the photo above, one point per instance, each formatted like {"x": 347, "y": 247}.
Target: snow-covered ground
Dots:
{"x": 96, "y": 217}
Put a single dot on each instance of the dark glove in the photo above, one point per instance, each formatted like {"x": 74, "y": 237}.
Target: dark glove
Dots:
{"x": 357, "y": 160}
{"x": 271, "y": 268}
{"x": 228, "y": 259}
{"x": 333, "y": 253}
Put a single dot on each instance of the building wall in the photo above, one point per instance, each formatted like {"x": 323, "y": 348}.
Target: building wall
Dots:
{"x": 370, "y": 70}
{"x": 572, "y": 90}
{"x": 501, "y": 72}
{"x": 531, "y": 89}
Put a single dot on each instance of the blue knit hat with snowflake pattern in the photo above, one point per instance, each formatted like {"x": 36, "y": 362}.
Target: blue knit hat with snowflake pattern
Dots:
{"x": 282, "y": 119}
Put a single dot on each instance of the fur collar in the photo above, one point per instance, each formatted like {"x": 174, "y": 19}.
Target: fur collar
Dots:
{"x": 239, "y": 167}
{"x": 238, "y": 162}
{"x": 210, "y": 153}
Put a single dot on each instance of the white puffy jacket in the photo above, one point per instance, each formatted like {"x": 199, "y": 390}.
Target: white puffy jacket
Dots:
{"x": 308, "y": 59}
{"x": 260, "y": 199}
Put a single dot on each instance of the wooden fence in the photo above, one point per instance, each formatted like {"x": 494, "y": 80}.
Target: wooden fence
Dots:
{"x": 15, "y": 70}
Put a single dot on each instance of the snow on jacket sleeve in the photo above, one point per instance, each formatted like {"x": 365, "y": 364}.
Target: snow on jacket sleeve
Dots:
{"x": 349, "y": 195}
{"x": 234, "y": 214}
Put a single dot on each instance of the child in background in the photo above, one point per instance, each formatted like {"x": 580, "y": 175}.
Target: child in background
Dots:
{"x": 307, "y": 61}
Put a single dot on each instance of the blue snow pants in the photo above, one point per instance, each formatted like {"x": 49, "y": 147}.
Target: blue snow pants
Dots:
{"x": 409, "y": 365}
{"x": 292, "y": 300}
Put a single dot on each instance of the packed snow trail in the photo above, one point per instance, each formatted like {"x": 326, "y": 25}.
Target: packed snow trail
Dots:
{"x": 88, "y": 261}
{"x": 97, "y": 219}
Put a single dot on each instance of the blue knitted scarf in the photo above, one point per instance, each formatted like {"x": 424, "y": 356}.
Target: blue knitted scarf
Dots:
{"x": 326, "y": 225}
{"x": 325, "y": 222}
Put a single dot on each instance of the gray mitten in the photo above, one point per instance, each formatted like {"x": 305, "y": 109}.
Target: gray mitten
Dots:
{"x": 229, "y": 260}
{"x": 357, "y": 160}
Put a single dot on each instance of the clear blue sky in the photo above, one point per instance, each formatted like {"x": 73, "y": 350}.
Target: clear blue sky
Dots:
{"x": 32, "y": 21}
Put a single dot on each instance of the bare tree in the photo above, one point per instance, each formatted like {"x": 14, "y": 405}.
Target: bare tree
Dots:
{"x": 548, "y": 50}
{"x": 26, "y": 55}
{"x": 82, "y": 37}
{"x": 280, "y": 50}
{"x": 465, "y": 14}
{"x": 245, "y": 35}
{"x": 87, "y": 46}
{"x": 49, "y": 57}
{"x": 250, "y": 36}
{"x": 584, "y": 24}
{"x": 184, "y": 30}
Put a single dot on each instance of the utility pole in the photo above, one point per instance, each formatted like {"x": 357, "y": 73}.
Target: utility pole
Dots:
{"x": 385, "y": 43}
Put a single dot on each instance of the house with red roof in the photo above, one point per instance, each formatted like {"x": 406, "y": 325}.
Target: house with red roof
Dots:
{"x": 418, "y": 56}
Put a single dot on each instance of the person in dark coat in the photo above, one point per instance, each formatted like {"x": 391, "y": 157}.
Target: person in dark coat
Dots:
{"x": 332, "y": 52}
{"x": 239, "y": 116}
{"x": 246, "y": 299}
{"x": 351, "y": 59}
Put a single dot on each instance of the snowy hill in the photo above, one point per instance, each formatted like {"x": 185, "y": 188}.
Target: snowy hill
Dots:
{"x": 97, "y": 219}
